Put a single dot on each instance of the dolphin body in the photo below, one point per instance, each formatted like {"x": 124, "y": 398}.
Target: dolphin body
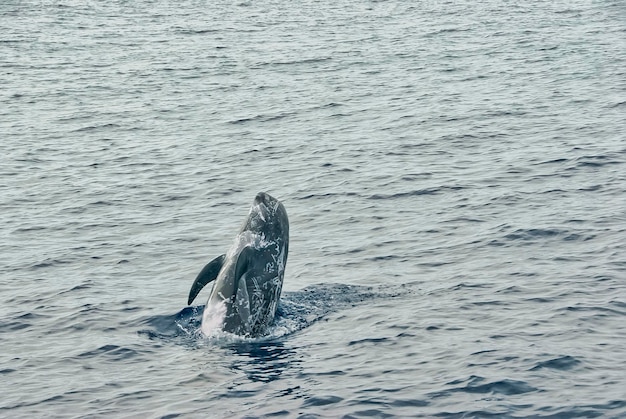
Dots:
{"x": 249, "y": 278}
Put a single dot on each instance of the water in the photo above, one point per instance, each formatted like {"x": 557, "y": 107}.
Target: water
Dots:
{"x": 453, "y": 172}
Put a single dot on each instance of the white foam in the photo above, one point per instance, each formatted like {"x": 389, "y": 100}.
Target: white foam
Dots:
{"x": 213, "y": 318}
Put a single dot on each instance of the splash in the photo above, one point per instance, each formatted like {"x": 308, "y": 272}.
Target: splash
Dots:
{"x": 213, "y": 318}
{"x": 296, "y": 311}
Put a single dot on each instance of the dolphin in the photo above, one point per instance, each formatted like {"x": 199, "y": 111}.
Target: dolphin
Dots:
{"x": 249, "y": 278}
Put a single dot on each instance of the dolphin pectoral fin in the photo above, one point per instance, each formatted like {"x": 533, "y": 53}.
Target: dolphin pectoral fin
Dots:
{"x": 242, "y": 301}
{"x": 242, "y": 298}
{"x": 243, "y": 259}
{"x": 206, "y": 275}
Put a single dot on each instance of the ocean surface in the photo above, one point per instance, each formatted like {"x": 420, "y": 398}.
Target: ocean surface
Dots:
{"x": 454, "y": 174}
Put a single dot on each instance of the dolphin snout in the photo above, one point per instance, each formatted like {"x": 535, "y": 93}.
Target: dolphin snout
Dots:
{"x": 262, "y": 198}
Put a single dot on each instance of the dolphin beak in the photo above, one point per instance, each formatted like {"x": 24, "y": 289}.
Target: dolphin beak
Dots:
{"x": 261, "y": 198}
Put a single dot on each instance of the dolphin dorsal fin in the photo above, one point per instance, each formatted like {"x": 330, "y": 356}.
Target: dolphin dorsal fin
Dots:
{"x": 206, "y": 275}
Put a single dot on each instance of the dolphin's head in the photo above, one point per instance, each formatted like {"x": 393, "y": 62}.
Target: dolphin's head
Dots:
{"x": 268, "y": 217}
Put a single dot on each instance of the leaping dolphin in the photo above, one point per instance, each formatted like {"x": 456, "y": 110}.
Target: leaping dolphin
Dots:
{"x": 249, "y": 278}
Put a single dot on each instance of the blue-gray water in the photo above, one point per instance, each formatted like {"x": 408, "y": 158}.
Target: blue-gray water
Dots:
{"x": 454, "y": 174}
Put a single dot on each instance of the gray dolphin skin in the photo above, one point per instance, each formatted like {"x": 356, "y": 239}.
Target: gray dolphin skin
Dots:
{"x": 249, "y": 278}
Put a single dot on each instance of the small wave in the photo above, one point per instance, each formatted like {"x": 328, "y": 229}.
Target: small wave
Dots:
{"x": 425, "y": 191}
{"x": 19, "y": 322}
{"x": 526, "y": 236}
{"x": 446, "y": 31}
{"x": 596, "y": 309}
{"x": 96, "y": 127}
{"x": 533, "y": 233}
{"x": 591, "y": 188}
{"x": 505, "y": 387}
{"x": 110, "y": 351}
{"x": 327, "y": 195}
{"x": 597, "y": 161}
{"x": 29, "y": 229}
{"x": 321, "y": 401}
{"x": 186, "y": 31}
{"x": 562, "y": 363}
{"x": 553, "y": 161}
{"x": 409, "y": 403}
{"x": 372, "y": 341}
{"x": 313, "y": 60}
{"x": 48, "y": 263}
{"x": 617, "y": 104}
{"x": 262, "y": 118}
{"x": 75, "y": 288}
